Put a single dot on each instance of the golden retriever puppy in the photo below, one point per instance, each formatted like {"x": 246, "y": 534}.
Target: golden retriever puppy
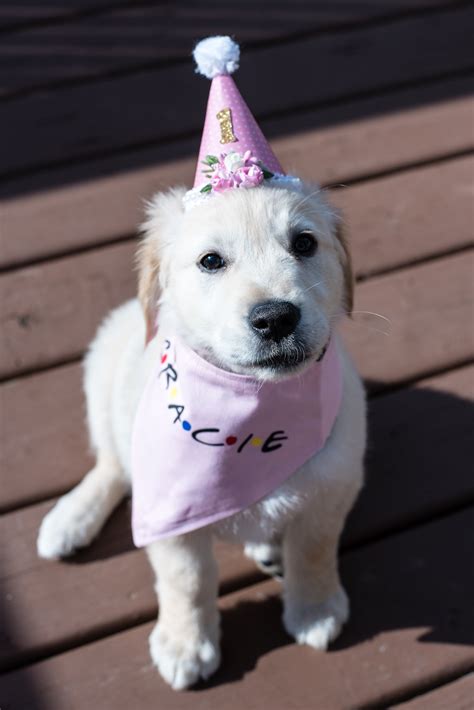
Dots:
{"x": 202, "y": 273}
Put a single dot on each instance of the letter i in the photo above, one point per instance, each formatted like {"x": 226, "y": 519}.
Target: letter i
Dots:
{"x": 244, "y": 443}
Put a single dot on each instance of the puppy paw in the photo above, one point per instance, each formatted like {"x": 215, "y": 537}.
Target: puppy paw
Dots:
{"x": 267, "y": 557}
{"x": 183, "y": 661}
{"x": 67, "y": 527}
{"x": 317, "y": 625}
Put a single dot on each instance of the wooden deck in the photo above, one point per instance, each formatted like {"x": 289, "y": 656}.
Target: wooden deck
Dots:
{"x": 384, "y": 117}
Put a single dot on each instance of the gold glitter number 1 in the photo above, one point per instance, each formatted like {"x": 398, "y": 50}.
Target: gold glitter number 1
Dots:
{"x": 227, "y": 130}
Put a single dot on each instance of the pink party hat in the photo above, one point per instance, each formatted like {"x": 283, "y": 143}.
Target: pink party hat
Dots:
{"x": 234, "y": 152}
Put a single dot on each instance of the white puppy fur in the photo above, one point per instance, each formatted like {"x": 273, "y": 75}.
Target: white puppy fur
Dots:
{"x": 297, "y": 527}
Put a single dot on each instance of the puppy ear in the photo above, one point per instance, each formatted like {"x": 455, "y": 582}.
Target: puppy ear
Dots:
{"x": 163, "y": 212}
{"x": 346, "y": 263}
{"x": 148, "y": 283}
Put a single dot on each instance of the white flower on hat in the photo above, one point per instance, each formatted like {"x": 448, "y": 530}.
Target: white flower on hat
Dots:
{"x": 233, "y": 161}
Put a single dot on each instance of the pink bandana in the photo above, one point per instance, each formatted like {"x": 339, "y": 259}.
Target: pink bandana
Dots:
{"x": 208, "y": 443}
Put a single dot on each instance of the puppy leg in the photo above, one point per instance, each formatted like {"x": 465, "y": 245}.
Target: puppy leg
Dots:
{"x": 80, "y": 514}
{"x": 315, "y": 604}
{"x": 184, "y": 644}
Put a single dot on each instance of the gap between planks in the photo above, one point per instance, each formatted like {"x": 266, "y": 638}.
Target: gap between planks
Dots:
{"x": 94, "y": 9}
{"x": 456, "y": 693}
{"x": 113, "y": 204}
{"x": 429, "y": 52}
{"x": 362, "y": 179}
{"x": 385, "y": 612}
{"x": 236, "y": 574}
{"x": 76, "y": 448}
{"x": 249, "y": 576}
{"x": 174, "y": 139}
{"x": 38, "y": 327}
{"x": 174, "y": 54}
{"x": 365, "y": 337}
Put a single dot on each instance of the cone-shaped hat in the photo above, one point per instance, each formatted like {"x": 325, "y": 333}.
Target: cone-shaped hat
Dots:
{"x": 234, "y": 151}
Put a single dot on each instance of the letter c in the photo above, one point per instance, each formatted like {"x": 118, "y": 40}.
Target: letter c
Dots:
{"x": 196, "y": 434}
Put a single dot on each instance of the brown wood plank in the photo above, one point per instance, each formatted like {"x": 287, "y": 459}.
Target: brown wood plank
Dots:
{"x": 410, "y": 452}
{"x": 457, "y": 695}
{"x": 59, "y": 126}
{"x": 50, "y": 311}
{"x": 76, "y": 291}
{"x": 107, "y": 587}
{"x": 15, "y": 13}
{"x": 100, "y": 210}
{"x": 428, "y": 306}
{"x": 416, "y": 435}
{"x": 400, "y": 637}
{"x": 408, "y": 217}
{"x": 44, "y": 448}
{"x": 132, "y": 37}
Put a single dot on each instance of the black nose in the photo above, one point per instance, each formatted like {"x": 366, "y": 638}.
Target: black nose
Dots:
{"x": 274, "y": 320}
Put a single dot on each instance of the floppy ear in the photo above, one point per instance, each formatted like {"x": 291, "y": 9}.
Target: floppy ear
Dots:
{"x": 163, "y": 212}
{"x": 148, "y": 282}
{"x": 346, "y": 262}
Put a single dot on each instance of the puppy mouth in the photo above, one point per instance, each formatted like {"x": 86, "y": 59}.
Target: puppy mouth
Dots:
{"x": 287, "y": 361}
{"x": 283, "y": 361}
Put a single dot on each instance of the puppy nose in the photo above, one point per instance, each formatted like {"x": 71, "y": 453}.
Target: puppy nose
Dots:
{"x": 274, "y": 320}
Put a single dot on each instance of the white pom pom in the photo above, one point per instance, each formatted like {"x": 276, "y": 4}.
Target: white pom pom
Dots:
{"x": 215, "y": 56}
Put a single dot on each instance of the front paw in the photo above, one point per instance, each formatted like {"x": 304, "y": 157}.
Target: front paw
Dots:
{"x": 317, "y": 624}
{"x": 183, "y": 660}
{"x": 67, "y": 527}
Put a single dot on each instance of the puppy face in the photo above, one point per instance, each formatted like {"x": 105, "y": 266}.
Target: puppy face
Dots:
{"x": 251, "y": 279}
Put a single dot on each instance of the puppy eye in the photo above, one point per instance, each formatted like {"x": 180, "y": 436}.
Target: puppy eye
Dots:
{"x": 303, "y": 244}
{"x": 212, "y": 262}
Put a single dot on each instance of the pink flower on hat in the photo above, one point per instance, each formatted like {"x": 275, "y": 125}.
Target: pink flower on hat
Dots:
{"x": 249, "y": 176}
{"x": 233, "y": 170}
{"x": 221, "y": 180}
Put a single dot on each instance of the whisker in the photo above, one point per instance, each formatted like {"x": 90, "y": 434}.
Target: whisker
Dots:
{"x": 349, "y": 313}
{"x": 307, "y": 197}
{"x": 317, "y": 283}
{"x": 367, "y": 325}
{"x": 372, "y": 313}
